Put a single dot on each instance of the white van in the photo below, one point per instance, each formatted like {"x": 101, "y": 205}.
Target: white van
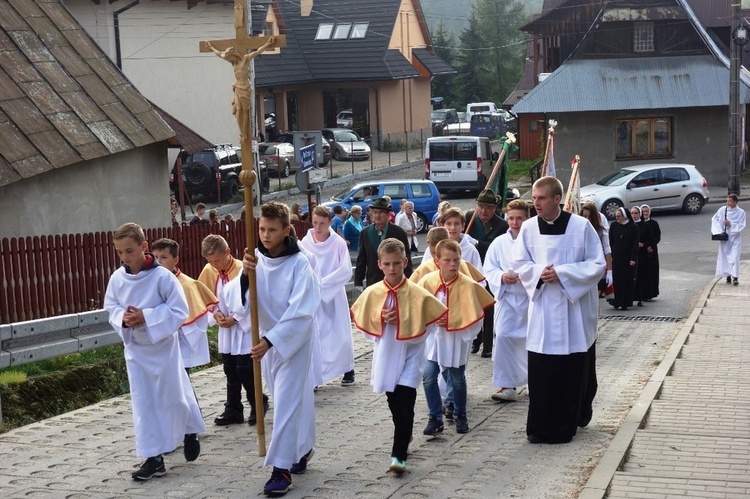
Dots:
{"x": 458, "y": 162}
{"x": 479, "y": 107}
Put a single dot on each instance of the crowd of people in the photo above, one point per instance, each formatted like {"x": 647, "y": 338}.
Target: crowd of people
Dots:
{"x": 524, "y": 290}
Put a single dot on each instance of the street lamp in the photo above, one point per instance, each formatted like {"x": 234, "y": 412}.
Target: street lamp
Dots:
{"x": 740, "y": 35}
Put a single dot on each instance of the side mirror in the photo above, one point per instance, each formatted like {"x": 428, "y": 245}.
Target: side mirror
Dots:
{"x": 630, "y": 185}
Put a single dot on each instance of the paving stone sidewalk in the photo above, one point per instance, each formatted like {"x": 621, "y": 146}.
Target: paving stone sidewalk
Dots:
{"x": 693, "y": 439}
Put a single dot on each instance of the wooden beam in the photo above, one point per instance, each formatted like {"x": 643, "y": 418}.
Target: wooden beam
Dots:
{"x": 243, "y": 44}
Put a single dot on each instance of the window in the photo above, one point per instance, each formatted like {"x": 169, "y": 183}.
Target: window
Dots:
{"x": 397, "y": 192}
{"x": 324, "y": 31}
{"x": 646, "y": 179}
{"x": 342, "y": 31}
{"x": 643, "y": 37}
{"x": 466, "y": 151}
{"x": 269, "y": 29}
{"x": 359, "y": 30}
{"x": 644, "y": 138}
{"x": 670, "y": 175}
{"x": 421, "y": 191}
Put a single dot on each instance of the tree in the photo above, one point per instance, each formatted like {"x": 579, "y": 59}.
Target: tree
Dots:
{"x": 444, "y": 42}
{"x": 470, "y": 63}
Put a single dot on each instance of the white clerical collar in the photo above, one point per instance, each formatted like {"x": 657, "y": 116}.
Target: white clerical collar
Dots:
{"x": 552, "y": 222}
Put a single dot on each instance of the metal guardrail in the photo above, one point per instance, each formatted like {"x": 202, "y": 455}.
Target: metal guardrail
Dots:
{"x": 42, "y": 339}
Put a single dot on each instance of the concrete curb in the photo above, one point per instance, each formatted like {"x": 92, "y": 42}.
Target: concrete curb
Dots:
{"x": 598, "y": 483}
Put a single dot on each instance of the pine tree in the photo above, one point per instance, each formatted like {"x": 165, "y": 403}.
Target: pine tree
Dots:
{"x": 444, "y": 42}
{"x": 470, "y": 62}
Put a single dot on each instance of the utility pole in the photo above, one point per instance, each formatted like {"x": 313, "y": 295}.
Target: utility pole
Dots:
{"x": 739, "y": 39}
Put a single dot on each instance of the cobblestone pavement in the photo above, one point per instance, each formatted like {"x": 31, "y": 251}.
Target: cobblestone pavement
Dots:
{"x": 89, "y": 453}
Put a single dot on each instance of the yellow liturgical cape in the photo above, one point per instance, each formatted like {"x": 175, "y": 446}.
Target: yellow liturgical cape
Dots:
{"x": 200, "y": 299}
{"x": 431, "y": 266}
{"x": 416, "y": 309}
{"x": 210, "y": 276}
{"x": 466, "y": 299}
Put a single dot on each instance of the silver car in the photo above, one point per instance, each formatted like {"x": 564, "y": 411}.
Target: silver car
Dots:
{"x": 279, "y": 158}
{"x": 346, "y": 144}
{"x": 666, "y": 186}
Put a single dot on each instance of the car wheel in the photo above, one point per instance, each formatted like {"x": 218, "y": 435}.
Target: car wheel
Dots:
{"x": 610, "y": 207}
{"x": 198, "y": 174}
{"x": 287, "y": 169}
{"x": 230, "y": 190}
{"x": 693, "y": 204}
{"x": 337, "y": 154}
{"x": 422, "y": 223}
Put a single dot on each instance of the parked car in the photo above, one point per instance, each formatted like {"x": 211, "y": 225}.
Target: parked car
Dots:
{"x": 479, "y": 107}
{"x": 279, "y": 158}
{"x": 458, "y": 163}
{"x": 666, "y": 186}
{"x": 288, "y": 137}
{"x": 491, "y": 125}
{"x": 422, "y": 193}
{"x": 200, "y": 177}
{"x": 441, "y": 118}
{"x": 345, "y": 118}
{"x": 346, "y": 144}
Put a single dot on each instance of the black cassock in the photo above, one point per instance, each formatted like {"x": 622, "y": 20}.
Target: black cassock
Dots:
{"x": 653, "y": 259}
{"x": 623, "y": 239}
{"x": 643, "y": 269}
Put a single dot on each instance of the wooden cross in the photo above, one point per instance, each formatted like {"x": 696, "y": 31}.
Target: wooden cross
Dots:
{"x": 235, "y": 51}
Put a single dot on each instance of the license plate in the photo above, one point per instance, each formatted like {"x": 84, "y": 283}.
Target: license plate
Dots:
{"x": 441, "y": 174}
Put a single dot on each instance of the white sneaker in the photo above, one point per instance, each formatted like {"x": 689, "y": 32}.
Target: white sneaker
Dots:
{"x": 505, "y": 395}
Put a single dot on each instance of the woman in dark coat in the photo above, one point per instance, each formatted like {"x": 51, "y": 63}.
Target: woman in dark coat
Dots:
{"x": 653, "y": 253}
{"x": 623, "y": 239}
{"x": 643, "y": 271}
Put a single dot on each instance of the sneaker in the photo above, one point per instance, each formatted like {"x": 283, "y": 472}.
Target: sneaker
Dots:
{"x": 300, "y": 467}
{"x": 434, "y": 426}
{"x": 397, "y": 466}
{"x": 505, "y": 395}
{"x": 448, "y": 411}
{"x": 735, "y": 281}
{"x": 252, "y": 420}
{"x": 279, "y": 484}
{"x": 348, "y": 378}
{"x": 228, "y": 417}
{"x": 462, "y": 425}
{"x": 153, "y": 466}
{"x": 191, "y": 447}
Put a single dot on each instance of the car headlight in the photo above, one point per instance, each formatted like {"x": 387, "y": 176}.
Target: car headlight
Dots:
{"x": 346, "y": 147}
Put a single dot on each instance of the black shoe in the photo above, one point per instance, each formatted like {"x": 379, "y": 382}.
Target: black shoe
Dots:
{"x": 462, "y": 425}
{"x": 536, "y": 439}
{"x": 434, "y": 426}
{"x": 153, "y": 466}
{"x": 486, "y": 355}
{"x": 585, "y": 419}
{"x": 736, "y": 282}
{"x": 191, "y": 447}
{"x": 448, "y": 411}
{"x": 475, "y": 347}
{"x": 252, "y": 420}
{"x": 729, "y": 279}
{"x": 348, "y": 378}
{"x": 300, "y": 467}
{"x": 228, "y": 417}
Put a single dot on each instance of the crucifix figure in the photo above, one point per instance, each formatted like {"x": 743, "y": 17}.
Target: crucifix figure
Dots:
{"x": 242, "y": 87}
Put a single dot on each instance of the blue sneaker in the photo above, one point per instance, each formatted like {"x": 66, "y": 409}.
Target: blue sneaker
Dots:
{"x": 279, "y": 484}
{"x": 300, "y": 467}
{"x": 397, "y": 466}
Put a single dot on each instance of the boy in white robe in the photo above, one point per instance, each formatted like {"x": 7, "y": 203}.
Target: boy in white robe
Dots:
{"x": 454, "y": 221}
{"x": 434, "y": 236}
{"x": 394, "y": 314}
{"x": 510, "y": 359}
{"x": 334, "y": 268}
{"x": 729, "y": 219}
{"x": 449, "y": 339}
{"x": 234, "y": 336}
{"x": 559, "y": 258}
{"x": 201, "y": 301}
{"x": 146, "y": 306}
{"x": 288, "y": 297}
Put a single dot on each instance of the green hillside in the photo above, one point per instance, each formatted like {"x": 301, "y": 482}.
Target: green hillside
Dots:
{"x": 455, "y": 13}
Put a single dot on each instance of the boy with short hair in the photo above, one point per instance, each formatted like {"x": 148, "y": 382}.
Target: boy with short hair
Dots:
{"x": 200, "y": 299}
{"x": 453, "y": 220}
{"x": 434, "y": 236}
{"x": 398, "y": 358}
{"x": 146, "y": 306}
{"x": 234, "y": 337}
{"x": 449, "y": 347}
{"x": 288, "y": 297}
{"x": 334, "y": 268}
{"x": 200, "y": 210}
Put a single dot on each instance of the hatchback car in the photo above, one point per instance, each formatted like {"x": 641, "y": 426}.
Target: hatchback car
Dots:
{"x": 667, "y": 186}
{"x": 346, "y": 144}
{"x": 279, "y": 157}
{"x": 288, "y": 138}
{"x": 422, "y": 193}
{"x": 344, "y": 119}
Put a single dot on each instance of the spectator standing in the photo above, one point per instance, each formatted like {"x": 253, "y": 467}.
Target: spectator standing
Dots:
{"x": 352, "y": 227}
{"x": 407, "y": 220}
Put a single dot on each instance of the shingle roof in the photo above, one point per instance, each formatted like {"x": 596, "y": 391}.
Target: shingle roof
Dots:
{"x": 433, "y": 63}
{"x": 306, "y": 60}
{"x": 61, "y": 98}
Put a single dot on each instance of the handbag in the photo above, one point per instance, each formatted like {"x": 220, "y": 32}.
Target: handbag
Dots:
{"x": 721, "y": 236}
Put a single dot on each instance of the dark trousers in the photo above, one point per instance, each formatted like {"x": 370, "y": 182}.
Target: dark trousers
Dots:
{"x": 239, "y": 372}
{"x": 559, "y": 395}
{"x": 401, "y": 403}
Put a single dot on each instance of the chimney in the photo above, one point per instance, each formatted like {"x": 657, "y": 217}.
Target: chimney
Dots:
{"x": 305, "y": 7}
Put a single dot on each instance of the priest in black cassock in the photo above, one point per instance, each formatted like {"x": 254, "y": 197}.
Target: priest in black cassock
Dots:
{"x": 559, "y": 259}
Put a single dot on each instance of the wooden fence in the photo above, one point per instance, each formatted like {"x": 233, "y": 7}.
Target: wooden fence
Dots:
{"x": 47, "y": 276}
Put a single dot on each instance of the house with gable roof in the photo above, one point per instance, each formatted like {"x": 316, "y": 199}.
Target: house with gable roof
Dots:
{"x": 374, "y": 58}
{"x": 81, "y": 150}
{"x": 629, "y": 82}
